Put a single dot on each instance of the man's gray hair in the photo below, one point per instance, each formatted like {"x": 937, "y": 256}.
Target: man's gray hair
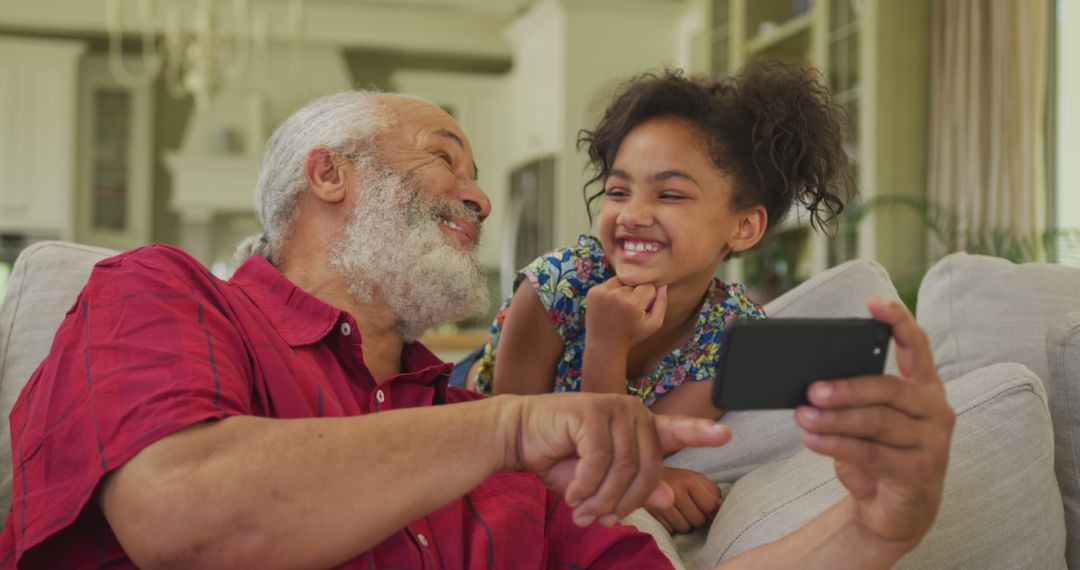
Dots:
{"x": 347, "y": 122}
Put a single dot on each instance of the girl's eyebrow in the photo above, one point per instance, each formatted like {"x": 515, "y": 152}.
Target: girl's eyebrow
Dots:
{"x": 658, "y": 177}
{"x": 669, "y": 174}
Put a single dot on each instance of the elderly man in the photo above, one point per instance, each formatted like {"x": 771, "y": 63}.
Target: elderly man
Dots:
{"x": 288, "y": 418}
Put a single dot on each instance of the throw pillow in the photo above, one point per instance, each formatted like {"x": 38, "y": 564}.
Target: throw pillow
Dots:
{"x": 1000, "y": 486}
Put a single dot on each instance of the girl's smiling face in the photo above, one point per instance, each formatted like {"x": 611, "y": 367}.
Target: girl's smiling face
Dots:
{"x": 667, "y": 216}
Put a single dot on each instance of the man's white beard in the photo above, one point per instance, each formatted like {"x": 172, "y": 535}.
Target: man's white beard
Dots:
{"x": 394, "y": 252}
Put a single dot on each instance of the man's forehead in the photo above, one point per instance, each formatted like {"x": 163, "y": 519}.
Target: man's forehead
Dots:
{"x": 420, "y": 119}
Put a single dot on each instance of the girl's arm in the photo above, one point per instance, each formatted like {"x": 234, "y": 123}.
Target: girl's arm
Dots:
{"x": 689, "y": 399}
{"x": 618, "y": 317}
{"x": 529, "y": 348}
{"x": 603, "y": 366}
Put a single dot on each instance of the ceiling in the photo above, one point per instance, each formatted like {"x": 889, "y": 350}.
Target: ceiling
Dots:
{"x": 501, "y": 8}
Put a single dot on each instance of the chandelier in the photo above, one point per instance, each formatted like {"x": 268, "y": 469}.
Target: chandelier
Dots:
{"x": 198, "y": 51}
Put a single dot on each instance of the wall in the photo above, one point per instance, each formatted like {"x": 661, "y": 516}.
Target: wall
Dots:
{"x": 170, "y": 120}
{"x": 537, "y": 82}
{"x": 373, "y": 68}
{"x": 895, "y": 124}
{"x": 1068, "y": 122}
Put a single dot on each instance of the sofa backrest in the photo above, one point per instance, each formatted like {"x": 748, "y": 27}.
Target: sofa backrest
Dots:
{"x": 46, "y": 279}
{"x": 980, "y": 310}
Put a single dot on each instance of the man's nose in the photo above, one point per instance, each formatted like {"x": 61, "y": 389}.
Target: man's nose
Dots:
{"x": 476, "y": 200}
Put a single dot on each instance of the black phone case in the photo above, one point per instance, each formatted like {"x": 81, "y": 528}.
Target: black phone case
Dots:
{"x": 770, "y": 363}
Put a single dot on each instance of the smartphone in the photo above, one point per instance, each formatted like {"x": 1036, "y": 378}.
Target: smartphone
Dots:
{"x": 770, "y": 363}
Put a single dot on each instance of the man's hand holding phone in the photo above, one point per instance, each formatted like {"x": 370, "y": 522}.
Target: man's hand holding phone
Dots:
{"x": 889, "y": 435}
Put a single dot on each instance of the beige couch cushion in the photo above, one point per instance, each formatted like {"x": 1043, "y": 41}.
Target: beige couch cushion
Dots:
{"x": 1063, "y": 358}
{"x": 1001, "y": 506}
{"x": 980, "y": 310}
{"x": 44, "y": 283}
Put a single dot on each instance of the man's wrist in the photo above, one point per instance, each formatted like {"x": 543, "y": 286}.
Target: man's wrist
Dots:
{"x": 507, "y": 412}
{"x": 882, "y": 552}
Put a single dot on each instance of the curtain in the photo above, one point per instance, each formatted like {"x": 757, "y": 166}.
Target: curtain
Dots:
{"x": 990, "y": 60}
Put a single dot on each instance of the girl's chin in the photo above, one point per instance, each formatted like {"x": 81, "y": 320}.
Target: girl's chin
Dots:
{"x": 634, "y": 278}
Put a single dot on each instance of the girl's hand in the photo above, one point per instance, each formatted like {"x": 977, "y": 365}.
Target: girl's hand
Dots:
{"x": 697, "y": 500}
{"x": 619, "y": 316}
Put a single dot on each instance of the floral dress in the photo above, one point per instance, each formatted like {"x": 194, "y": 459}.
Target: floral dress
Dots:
{"x": 563, "y": 277}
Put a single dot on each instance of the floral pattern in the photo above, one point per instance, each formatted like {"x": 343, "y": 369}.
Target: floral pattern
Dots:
{"x": 563, "y": 277}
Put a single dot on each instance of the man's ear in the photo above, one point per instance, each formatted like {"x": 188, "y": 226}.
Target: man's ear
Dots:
{"x": 751, "y": 228}
{"x": 326, "y": 174}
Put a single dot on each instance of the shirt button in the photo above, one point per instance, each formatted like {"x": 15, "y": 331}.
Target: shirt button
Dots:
{"x": 422, "y": 539}
{"x": 379, "y": 396}
{"x": 346, "y": 329}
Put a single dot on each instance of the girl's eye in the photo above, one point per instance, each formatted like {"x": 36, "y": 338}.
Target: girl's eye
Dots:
{"x": 615, "y": 192}
{"x": 671, "y": 196}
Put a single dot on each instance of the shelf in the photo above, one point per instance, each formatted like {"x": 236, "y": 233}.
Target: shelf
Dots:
{"x": 784, "y": 32}
{"x": 843, "y": 32}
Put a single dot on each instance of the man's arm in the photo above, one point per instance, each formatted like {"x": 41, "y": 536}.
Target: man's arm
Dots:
{"x": 890, "y": 439}
{"x": 257, "y": 492}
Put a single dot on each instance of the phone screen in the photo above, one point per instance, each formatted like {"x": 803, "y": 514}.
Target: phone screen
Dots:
{"x": 770, "y": 363}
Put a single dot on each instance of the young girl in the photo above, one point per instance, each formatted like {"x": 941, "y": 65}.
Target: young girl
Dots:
{"x": 693, "y": 172}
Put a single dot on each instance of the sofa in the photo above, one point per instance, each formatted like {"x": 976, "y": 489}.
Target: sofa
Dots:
{"x": 1007, "y": 342}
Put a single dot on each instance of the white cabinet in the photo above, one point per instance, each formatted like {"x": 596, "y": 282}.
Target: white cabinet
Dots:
{"x": 113, "y": 196}
{"x": 38, "y": 87}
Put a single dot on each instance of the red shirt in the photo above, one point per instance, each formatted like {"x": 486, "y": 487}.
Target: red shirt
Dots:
{"x": 155, "y": 343}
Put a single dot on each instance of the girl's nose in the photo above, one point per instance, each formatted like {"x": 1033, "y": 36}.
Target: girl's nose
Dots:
{"x": 634, "y": 214}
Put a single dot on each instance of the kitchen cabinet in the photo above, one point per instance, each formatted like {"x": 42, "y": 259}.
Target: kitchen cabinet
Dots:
{"x": 38, "y": 110}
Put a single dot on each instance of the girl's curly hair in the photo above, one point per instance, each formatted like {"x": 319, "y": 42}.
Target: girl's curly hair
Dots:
{"x": 774, "y": 126}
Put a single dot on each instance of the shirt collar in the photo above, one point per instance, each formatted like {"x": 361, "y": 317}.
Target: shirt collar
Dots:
{"x": 301, "y": 319}
{"x": 298, "y": 316}
{"x": 418, "y": 362}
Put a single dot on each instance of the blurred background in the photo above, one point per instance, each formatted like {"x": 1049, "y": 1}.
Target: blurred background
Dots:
{"x": 129, "y": 122}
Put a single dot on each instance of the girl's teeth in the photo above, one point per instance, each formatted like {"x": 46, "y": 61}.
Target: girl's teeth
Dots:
{"x": 638, "y": 246}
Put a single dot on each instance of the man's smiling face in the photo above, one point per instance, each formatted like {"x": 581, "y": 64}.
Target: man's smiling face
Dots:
{"x": 427, "y": 147}
{"x": 410, "y": 240}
